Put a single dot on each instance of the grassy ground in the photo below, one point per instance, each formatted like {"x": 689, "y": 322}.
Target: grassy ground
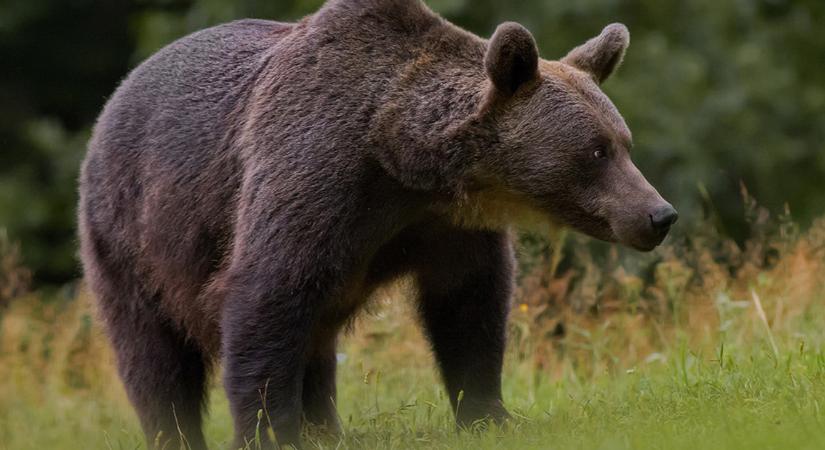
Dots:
{"x": 701, "y": 354}
{"x": 59, "y": 391}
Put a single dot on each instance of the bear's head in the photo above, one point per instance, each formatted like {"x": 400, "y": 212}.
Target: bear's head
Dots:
{"x": 562, "y": 147}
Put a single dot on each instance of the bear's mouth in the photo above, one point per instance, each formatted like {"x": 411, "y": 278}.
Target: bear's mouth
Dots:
{"x": 643, "y": 240}
{"x": 647, "y": 246}
{"x": 592, "y": 224}
{"x": 600, "y": 227}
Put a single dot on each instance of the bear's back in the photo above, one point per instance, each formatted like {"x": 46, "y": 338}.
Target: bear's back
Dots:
{"x": 157, "y": 169}
{"x": 188, "y": 91}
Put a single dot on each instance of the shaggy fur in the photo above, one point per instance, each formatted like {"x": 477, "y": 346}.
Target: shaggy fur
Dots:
{"x": 248, "y": 186}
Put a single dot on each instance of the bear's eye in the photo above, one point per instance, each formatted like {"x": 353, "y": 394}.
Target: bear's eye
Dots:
{"x": 600, "y": 153}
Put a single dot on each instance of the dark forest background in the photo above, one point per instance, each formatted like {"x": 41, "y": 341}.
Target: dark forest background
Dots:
{"x": 717, "y": 93}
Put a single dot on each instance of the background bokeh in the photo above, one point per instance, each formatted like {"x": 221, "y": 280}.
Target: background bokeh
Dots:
{"x": 717, "y": 93}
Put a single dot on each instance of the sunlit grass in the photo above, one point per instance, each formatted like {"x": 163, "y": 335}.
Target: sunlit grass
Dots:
{"x": 709, "y": 395}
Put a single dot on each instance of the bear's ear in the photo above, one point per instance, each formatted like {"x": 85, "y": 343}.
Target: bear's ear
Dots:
{"x": 601, "y": 55}
{"x": 512, "y": 57}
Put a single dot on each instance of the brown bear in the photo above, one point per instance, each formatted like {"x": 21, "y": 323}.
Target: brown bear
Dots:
{"x": 248, "y": 186}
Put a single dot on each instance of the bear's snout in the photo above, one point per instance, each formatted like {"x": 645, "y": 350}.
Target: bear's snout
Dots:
{"x": 662, "y": 218}
{"x": 637, "y": 214}
{"x": 645, "y": 234}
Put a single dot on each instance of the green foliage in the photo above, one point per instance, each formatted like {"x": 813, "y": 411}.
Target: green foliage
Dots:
{"x": 715, "y": 92}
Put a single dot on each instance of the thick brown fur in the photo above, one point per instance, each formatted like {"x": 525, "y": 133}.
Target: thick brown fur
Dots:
{"x": 248, "y": 186}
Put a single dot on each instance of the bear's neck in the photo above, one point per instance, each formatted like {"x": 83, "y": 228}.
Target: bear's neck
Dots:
{"x": 424, "y": 84}
{"x": 425, "y": 127}
{"x": 421, "y": 50}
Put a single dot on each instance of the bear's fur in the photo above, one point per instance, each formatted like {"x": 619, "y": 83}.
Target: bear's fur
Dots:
{"x": 249, "y": 185}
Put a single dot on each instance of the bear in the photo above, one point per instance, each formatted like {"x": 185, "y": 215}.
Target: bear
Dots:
{"x": 248, "y": 186}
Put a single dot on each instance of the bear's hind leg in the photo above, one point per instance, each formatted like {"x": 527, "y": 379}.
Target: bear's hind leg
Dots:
{"x": 163, "y": 372}
{"x": 164, "y": 375}
{"x": 319, "y": 387}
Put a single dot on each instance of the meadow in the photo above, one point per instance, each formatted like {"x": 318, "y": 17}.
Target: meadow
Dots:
{"x": 705, "y": 343}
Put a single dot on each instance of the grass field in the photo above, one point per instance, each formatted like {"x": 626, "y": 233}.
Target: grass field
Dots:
{"x": 725, "y": 361}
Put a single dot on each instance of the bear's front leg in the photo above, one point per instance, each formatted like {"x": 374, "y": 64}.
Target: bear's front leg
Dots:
{"x": 265, "y": 337}
{"x": 278, "y": 283}
{"x": 465, "y": 282}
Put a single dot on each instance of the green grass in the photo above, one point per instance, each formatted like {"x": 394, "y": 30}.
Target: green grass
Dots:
{"x": 748, "y": 401}
{"x": 59, "y": 392}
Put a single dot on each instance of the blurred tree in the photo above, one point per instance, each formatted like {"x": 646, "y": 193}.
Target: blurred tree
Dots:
{"x": 58, "y": 62}
{"x": 716, "y": 93}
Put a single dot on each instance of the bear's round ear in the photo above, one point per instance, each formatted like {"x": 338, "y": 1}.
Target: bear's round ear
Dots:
{"x": 512, "y": 57}
{"x": 601, "y": 55}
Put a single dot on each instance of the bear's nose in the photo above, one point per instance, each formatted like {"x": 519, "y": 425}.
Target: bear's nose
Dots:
{"x": 663, "y": 218}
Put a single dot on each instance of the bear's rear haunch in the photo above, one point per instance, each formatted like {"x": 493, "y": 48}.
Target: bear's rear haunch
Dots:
{"x": 247, "y": 187}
